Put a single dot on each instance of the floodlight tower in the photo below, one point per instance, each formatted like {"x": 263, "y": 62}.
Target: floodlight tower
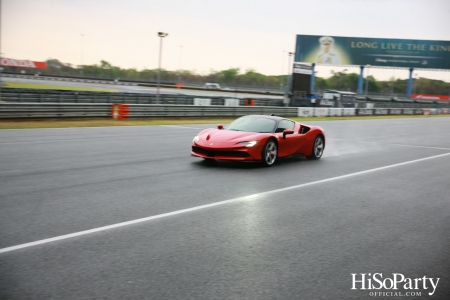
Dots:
{"x": 161, "y": 36}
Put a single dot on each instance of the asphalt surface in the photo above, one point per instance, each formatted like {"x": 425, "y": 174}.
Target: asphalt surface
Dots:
{"x": 377, "y": 202}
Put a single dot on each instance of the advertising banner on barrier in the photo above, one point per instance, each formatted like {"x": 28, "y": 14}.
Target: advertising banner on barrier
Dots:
{"x": 231, "y": 102}
{"x": 202, "y": 101}
{"x": 335, "y": 112}
{"x": 408, "y": 111}
{"x": 430, "y": 97}
{"x": 445, "y": 110}
{"x": 395, "y": 111}
{"x": 305, "y": 111}
{"x": 23, "y": 63}
{"x": 321, "y": 111}
{"x": 348, "y": 111}
{"x": 419, "y": 111}
{"x": 365, "y": 112}
{"x": 359, "y": 51}
{"x": 380, "y": 111}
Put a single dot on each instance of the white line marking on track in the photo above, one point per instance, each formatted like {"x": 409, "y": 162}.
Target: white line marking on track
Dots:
{"x": 182, "y": 211}
{"x": 403, "y": 145}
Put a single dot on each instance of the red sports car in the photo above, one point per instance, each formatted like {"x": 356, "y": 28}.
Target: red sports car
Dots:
{"x": 259, "y": 138}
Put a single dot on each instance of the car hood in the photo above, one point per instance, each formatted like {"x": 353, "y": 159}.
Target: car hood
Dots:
{"x": 216, "y": 135}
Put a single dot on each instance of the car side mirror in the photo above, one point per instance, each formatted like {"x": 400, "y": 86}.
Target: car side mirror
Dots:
{"x": 220, "y": 126}
{"x": 287, "y": 131}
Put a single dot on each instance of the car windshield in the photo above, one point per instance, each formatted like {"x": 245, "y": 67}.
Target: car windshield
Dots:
{"x": 252, "y": 124}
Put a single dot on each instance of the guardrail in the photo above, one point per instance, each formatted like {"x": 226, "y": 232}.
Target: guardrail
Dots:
{"x": 82, "y": 110}
{"x": 103, "y": 110}
{"x": 52, "y": 96}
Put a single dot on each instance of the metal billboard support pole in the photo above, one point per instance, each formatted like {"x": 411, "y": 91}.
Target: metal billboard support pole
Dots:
{"x": 367, "y": 80}
{"x": 360, "y": 80}
{"x": 408, "y": 91}
{"x": 313, "y": 78}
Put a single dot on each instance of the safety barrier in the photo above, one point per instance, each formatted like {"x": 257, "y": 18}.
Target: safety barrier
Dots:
{"x": 52, "y": 96}
{"x": 334, "y": 112}
{"x": 123, "y": 111}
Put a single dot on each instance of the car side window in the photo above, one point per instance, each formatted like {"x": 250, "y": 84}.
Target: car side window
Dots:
{"x": 285, "y": 124}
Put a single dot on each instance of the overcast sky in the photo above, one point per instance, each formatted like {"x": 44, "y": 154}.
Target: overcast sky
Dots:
{"x": 209, "y": 35}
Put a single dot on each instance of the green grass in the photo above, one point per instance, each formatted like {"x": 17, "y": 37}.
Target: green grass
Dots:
{"x": 20, "y": 85}
{"x": 63, "y": 123}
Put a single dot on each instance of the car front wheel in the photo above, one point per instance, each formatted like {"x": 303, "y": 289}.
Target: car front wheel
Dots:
{"x": 270, "y": 153}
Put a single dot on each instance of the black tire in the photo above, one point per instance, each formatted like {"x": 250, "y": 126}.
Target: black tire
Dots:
{"x": 317, "y": 149}
{"x": 269, "y": 153}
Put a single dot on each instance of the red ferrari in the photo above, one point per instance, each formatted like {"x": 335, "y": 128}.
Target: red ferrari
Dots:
{"x": 259, "y": 138}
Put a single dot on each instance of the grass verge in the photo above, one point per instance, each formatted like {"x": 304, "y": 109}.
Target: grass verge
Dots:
{"x": 37, "y": 86}
{"x": 62, "y": 123}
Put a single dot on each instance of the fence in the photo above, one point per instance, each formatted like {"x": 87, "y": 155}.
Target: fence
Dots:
{"x": 63, "y": 110}
{"x": 104, "y": 110}
{"x": 50, "y": 96}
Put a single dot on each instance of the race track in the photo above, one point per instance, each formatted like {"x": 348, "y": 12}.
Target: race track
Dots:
{"x": 129, "y": 214}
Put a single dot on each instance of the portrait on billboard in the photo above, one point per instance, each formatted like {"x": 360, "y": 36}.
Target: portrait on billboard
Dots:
{"x": 360, "y": 51}
{"x": 327, "y": 53}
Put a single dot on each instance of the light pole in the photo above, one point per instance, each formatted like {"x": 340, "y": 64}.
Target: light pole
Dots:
{"x": 161, "y": 35}
{"x": 288, "y": 77}
{"x": 181, "y": 63}
{"x": 367, "y": 79}
{"x": 81, "y": 55}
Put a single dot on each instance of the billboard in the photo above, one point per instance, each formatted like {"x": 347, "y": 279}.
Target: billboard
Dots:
{"x": 430, "y": 97}
{"x": 23, "y": 63}
{"x": 357, "y": 51}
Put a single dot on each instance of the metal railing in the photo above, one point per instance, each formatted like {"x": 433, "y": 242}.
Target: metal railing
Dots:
{"x": 104, "y": 110}
{"x": 52, "y": 96}
{"x": 83, "y": 110}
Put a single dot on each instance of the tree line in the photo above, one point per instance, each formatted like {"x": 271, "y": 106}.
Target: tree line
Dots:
{"x": 235, "y": 77}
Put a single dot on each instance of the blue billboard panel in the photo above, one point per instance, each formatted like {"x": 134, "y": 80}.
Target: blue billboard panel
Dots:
{"x": 400, "y": 53}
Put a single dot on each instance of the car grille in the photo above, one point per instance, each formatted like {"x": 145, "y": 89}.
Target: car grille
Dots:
{"x": 211, "y": 153}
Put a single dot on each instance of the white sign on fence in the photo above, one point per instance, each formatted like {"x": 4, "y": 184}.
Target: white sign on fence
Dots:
{"x": 335, "y": 112}
{"x": 348, "y": 111}
{"x": 305, "y": 111}
{"x": 202, "y": 101}
{"x": 231, "y": 102}
{"x": 321, "y": 111}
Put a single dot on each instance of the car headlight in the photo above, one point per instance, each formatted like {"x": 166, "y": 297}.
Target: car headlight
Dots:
{"x": 249, "y": 144}
{"x": 196, "y": 138}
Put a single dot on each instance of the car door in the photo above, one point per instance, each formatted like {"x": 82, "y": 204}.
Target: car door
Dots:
{"x": 291, "y": 143}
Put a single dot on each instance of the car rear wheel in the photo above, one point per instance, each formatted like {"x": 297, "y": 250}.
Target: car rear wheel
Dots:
{"x": 318, "y": 147}
{"x": 269, "y": 153}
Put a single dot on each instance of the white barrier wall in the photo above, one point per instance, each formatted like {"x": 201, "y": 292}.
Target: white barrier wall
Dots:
{"x": 395, "y": 111}
{"x": 348, "y": 111}
{"x": 305, "y": 111}
{"x": 335, "y": 112}
{"x": 202, "y": 101}
{"x": 231, "y": 102}
{"x": 321, "y": 111}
